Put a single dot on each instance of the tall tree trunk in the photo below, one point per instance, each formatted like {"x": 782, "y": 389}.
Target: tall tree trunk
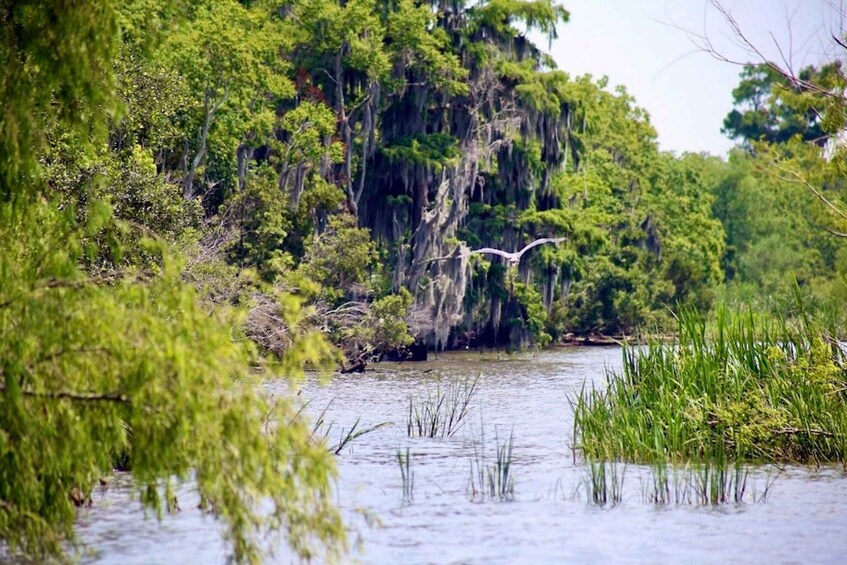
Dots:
{"x": 210, "y": 109}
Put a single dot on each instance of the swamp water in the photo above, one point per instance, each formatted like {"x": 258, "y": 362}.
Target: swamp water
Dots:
{"x": 550, "y": 519}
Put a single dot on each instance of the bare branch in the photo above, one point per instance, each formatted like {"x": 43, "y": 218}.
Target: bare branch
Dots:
{"x": 794, "y": 176}
{"x": 836, "y": 233}
{"x": 704, "y": 43}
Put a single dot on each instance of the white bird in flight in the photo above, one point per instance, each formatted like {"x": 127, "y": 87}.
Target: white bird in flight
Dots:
{"x": 513, "y": 258}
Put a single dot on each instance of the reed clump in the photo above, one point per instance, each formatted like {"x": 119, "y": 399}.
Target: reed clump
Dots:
{"x": 746, "y": 390}
{"x": 604, "y": 482}
{"x": 494, "y": 480}
{"x": 321, "y": 432}
{"x": 442, "y": 413}
{"x": 709, "y": 483}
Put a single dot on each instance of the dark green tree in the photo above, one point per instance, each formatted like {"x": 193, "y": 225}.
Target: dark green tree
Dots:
{"x": 766, "y": 109}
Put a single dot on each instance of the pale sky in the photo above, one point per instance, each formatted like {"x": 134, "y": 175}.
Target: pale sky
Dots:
{"x": 643, "y": 45}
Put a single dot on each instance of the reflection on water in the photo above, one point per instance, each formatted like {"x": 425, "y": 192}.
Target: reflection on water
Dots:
{"x": 804, "y": 520}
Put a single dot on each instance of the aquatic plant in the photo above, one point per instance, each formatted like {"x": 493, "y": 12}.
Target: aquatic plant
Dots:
{"x": 406, "y": 474}
{"x": 321, "y": 432}
{"x": 712, "y": 482}
{"x": 746, "y": 390}
{"x": 604, "y": 482}
{"x": 441, "y": 414}
{"x": 495, "y": 481}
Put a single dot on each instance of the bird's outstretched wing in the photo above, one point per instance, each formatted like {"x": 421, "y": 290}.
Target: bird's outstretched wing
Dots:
{"x": 463, "y": 251}
{"x": 540, "y": 241}
{"x": 493, "y": 251}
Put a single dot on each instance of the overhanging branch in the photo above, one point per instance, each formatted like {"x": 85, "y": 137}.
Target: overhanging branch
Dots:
{"x": 113, "y": 397}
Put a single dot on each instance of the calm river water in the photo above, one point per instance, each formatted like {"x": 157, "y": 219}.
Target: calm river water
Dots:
{"x": 804, "y": 519}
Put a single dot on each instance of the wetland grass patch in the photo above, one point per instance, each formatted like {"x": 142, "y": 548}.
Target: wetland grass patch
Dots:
{"x": 494, "y": 480}
{"x": 442, "y": 413}
{"x": 746, "y": 390}
{"x": 604, "y": 482}
{"x": 709, "y": 483}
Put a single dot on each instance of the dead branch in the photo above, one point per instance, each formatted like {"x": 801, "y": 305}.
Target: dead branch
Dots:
{"x": 704, "y": 43}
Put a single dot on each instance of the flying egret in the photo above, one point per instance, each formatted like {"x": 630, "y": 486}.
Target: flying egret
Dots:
{"x": 514, "y": 258}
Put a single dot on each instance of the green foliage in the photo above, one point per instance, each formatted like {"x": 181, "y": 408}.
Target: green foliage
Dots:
{"x": 533, "y": 313}
{"x": 776, "y": 229}
{"x": 433, "y": 151}
{"x": 641, "y": 222}
{"x": 774, "y": 109}
{"x": 339, "y": 258}
{"x": 500, "y": 16}
{"x": 155, "y": 99}
{"x": 265, "y": 220}
{"x": 413, "y": 40}
{"x": 382, "y": 330}
{"x": 151, "y": 375}
{"x": 122, "y": 361}
{"x": 387, "y": 320}
{"x": 691, "y": 239}
{"x": 56, "y": 66}
{"x": 306, "y": 126}
{"x": 352, "y": 31}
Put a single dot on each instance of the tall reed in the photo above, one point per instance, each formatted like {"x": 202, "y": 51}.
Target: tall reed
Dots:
{"x": 321, "y": 431}
{"x": 441, "y": 414}
{"x": 604, "y": 482}
{"x": 711, "y": 482}
{"x": 406, "y": 474}
{"x": 746, "y": 390}
{"x": 495, "y": 481}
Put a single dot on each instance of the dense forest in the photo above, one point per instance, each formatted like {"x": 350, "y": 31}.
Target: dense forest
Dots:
{"x": 192, "y": 192}
{"x": 348, "y": 154}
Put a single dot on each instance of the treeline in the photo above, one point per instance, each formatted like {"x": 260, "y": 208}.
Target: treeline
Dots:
{"x": 332, "y": 152}
{"x": 335, "y": 151}
{"x": 346, "y": 155}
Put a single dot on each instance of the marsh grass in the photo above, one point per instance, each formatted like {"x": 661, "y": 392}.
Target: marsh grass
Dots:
{"x": 707, "y": 483}
{"x": 404, "y": 460}
{"x": 747, "y": 390}
{"x": 321, "y": 432}
{"x": 442, "y": 413}
{"x": 495, "y": 480}
{"x": 604, "y": 482}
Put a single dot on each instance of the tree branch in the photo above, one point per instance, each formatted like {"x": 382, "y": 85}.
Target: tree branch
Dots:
{"x": 702, "y": 42}
{"x": 810, "y": 431}
{"x": 114, "y": 397}
{"x": 797, "y": 178}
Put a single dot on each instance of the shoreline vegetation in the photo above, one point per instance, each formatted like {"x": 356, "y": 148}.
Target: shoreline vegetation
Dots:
{"x": 739, "y": 389}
